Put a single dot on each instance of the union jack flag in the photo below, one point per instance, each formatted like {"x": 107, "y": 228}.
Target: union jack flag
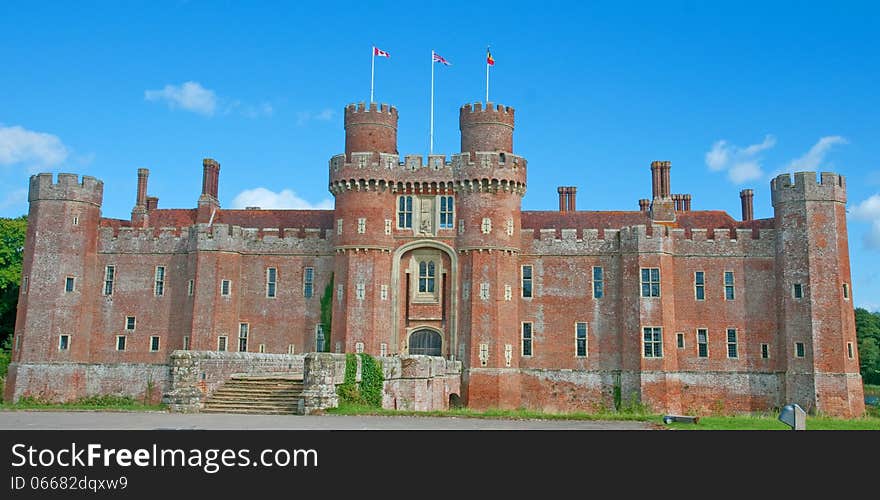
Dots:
{"x": 438, "y": 58}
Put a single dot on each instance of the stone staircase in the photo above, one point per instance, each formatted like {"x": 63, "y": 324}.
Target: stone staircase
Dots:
{"x": 258, "y": 394}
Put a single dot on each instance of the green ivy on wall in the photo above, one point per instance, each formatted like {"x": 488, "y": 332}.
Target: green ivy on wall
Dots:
{"x": 369, "y": 391}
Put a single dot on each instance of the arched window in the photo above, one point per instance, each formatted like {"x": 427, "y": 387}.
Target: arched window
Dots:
{"x": 427, "y": 342}
{"x": 427, "y": 275}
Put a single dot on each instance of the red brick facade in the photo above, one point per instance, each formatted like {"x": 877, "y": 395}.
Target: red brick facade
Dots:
{"x": 438, "y": 257}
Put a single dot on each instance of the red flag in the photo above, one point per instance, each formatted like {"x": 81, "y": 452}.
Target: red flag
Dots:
{"x": 379, "y": 52}
{"x": 438, "y": 58}
{"x": 489, "y": 59}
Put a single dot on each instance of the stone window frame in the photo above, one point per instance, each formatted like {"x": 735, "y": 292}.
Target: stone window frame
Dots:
{"x": 271, "y": 282}
{"x": 765, "y": 351}
{"x": 598, "y": 285}
{"x": 226, "y": 288}
{"x": 846, "y": 291}
{"x": 800, "y": 350}
{"x": 449, "y": 213}
{"x": 360, "y": 291}
{"x": 388, "y": 223}
{"x": 362, "y": 225}
{"x": 339, "y": 223}
{"x": 291, "y": 348}
{"x": 320, "y": 340}
{"x": 244, "y": 330}
{"x": 508, "y": 293}
{"x": 797, "y": 291}
{"x": 120, "y": 343}
{"x": 109, "y": 278}
{"x": 652, "y": 348}
{"x": 383, "y": 292}
{"x": 223, "y": 341}
{"x": 578, "y": 339}
{"x": 261, "y": 348}
{"x": 850, "y": 351}
{"x": 484, "y": 354}
{"x": 485, "y": 291}
{"x": 531, "y": 281}
{"x": 70, "y": 284}
{"x": 700, "y": 285}
{"x": 486, "y": 225}
{"x": 64, "y": 342}
{"x": 24, "y": 285}
{"x": 729, "y": 287}
{"x": 704, "y": 344}
{"x": 527, "y": 339}
{"x": 650, "y": 283}
{"x": 308, "y": 282}
{"x": 155, "y": 343}
{"x": 426, "y": 256}
{"x": 186, "y": 345}
{"x": 734, "y": 344}
{"x": 190, "y": 288}
{"x": 159, "y": 281}
{"x": 404, "y": 207}
{"x": 383, "y": 349}
{"x": 679, "y": 340}
{"x": 130, "y": 323}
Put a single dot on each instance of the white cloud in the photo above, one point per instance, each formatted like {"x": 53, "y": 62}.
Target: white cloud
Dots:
{"x": 265, "y": 198}
{"x": 811, "y": 161}
{"x": 742, "y": 164}
{"x": 325, "y": 115}
{"x": 869, "y": 211}
{"x": 34, "y": 150}
{"x": 190, "y": 96}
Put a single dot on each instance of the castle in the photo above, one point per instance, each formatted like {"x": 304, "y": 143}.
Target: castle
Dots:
{"x": 684, "y": 310}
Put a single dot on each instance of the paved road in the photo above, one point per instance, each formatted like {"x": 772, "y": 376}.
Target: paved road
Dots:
{"x": 64, "y": 420}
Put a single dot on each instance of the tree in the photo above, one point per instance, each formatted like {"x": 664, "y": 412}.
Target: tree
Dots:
{"x": 868, "y": 335}
{"x": 12, "y": 233}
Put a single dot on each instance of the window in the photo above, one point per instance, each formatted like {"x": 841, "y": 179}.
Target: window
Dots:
{"x": 460, "y": 226}
{"x": 360, "y": 291}
{"x": 190, "y": 287}
{"x": 225, "y": 288}
{"x": 261, "y": 348}
{"x": 446, "y": 212}
{"x": 765, "y": 351}
{"x": 362, "y": 225}
{"x": 63, "y": 342}
{"x": 154, "y": 344}
{"x": 291, "y": 349}
{"x": 159, "y": 288}
{"x": 679, "y": 340}
{"x": 799, "y": 349}
{"x": 75, "y": 220}
{"x": 526, "y": 340}
{"x": 109, "y": 273}
{"x": 338, "y": 226}
{"x": 487, "y": 225}
{"x": 130, "y": 322}
{"x": 319, "y": 338}
{"x": 308, "y": 282}
{"x": 243, "y": 336}
{"x": 651, "y": 282}
{"x": 598, "y": 283}
{"x": 849, "y": 350}
{"x": 24, "y": 284}
{"x": 527, "y": 281}
{"x": 728, "y": 285}
{"x": 271, "y": 277}
{"x": 427, "y": 276}
{"x": 731, "y": 343}
{"x": 404, "y": 212}
{"x": 580, "y": 340}
{"x": 702, "y": 342}
{"x": 846, "y": 291}
{"x": 387, "y": 226}
{"x": 186, "y": 343}
{"x": 798, "y": 291}
{"x": 69, "y": 284}
{"x": 700, "y": 285}
{"x": 221, "y": 343}
{"x": 508, "y": 225}
{"x": 653, "y": 341}
{"x": 484, "y": 291}
{"x": 120, "y": 342}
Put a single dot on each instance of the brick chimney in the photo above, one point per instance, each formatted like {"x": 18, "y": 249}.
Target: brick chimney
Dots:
{"x": 139, "y": 212}
{"x": 208, "y": 201}
{"x": 567, "y": 201}
{"x": 563, "y": 193}
{"x": 152, "y": 203}
{"x": 572, "y": 192}
{"x": 644, "y": 205}
{"x": 747, "y": 197}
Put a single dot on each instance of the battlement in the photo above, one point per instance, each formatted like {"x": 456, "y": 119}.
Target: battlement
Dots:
{"x": 829, "y": 186}
{"x": 67, "y": 188}
{"x": 476, "y": 111}
{"x": 362, "y": 108}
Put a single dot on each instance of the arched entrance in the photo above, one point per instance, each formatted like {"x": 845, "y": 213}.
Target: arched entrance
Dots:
{"x": 427, "y": 342}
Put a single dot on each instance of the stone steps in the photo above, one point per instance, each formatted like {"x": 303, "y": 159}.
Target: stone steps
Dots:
{"x": 258, "y": 394}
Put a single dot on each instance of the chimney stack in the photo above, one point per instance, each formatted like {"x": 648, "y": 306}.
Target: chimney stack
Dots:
{"x": 747, "y": 197}
{"x": 562, "y": 194}
{"x": 644, "y": 205}
{"x": 210, "y": 177}
{"x": 152, "y": 203}
{"x": 572, "y": 192}
{"x": 143, "y": 175}
{"x": 687, "y": 203}
{"x": 567, "y": 201}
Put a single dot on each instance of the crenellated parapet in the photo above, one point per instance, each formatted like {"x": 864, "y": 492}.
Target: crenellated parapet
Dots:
{"x": 67, "y": 188}
{"x": 806, "y": 186}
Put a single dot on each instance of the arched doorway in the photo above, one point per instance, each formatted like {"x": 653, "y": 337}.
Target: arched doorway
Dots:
{"x": 427, "y": 342}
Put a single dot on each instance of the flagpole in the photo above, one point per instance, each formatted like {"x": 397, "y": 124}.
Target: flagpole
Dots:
{"x": 431, "y": 145}
{"x": 487, "y": 82}
{"x": 372, "y": 71}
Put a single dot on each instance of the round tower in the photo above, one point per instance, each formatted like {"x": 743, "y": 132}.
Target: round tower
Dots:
{"x": 490, "y": 182}
{"x": 372, "y": 129}
{"x": 489, "y": 129}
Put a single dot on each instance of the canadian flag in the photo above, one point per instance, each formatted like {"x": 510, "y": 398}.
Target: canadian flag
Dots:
{"x": 379, "y": 52}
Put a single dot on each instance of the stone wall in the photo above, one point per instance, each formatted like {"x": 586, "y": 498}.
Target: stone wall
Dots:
{"x": 65, "y": 382}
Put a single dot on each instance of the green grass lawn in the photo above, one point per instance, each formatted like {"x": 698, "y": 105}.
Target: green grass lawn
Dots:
{"x": 94, "y": 403}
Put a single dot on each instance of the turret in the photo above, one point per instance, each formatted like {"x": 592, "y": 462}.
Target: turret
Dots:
{"x": 818, "y": 349}
{"x": 370, "y": 129}
{"x": 489, "y": 129}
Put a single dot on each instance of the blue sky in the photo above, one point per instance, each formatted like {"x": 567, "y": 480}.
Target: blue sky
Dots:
{"x": 731, "y": 93}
